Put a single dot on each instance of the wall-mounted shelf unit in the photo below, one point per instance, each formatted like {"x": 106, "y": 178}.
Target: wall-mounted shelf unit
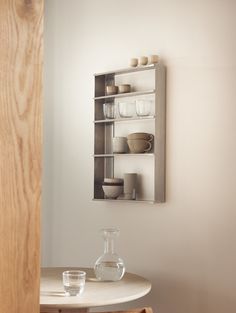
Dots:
{"x": 148, "y": 82}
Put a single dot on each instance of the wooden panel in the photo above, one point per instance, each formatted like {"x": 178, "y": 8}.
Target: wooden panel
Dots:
{"x": 21, "y": 23}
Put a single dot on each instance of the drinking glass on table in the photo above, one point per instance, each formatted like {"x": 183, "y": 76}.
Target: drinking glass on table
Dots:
{"x": 73, "y": 282}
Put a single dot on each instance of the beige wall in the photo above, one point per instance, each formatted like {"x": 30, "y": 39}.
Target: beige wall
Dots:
{"x": 187, "y": 246}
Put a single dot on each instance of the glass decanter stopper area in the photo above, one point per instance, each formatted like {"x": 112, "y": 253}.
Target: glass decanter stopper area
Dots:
{"x": 109, "y": 266}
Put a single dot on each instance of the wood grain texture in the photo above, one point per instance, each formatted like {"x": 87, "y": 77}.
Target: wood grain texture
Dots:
{"x": 21, "y": 31}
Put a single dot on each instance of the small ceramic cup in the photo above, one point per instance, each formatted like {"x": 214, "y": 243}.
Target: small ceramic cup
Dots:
{"x": 133, "y": 62}
{"x": 119, "y": 144}
{"x": 143, "y": 60}
{"x": 153, "y": 59}
{"x": 124, "y": 88}
{"x": 111, "y": 90}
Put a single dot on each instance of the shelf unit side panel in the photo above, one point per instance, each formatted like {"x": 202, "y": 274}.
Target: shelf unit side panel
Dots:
{"x": 103, "y": 167}
{"x": 98, "y": 178}
{"x": 160, "y": 138}
{"x": 99, "y": 86}
{"x": 98, "y": 110}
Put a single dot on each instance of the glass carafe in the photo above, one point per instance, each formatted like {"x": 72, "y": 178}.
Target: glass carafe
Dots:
{"x": 109, "y": 266}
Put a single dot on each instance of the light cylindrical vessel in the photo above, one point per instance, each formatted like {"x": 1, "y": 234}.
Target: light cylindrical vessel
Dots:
{"x": 130, "y": 185}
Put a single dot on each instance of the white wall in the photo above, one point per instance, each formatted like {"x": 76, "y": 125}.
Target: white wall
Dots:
{"x": 187, "y": 246}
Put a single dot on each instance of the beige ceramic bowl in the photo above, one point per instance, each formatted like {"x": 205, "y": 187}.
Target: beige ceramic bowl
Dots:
{"x": 112, "y": 192}
{"x": 111, "y": 90}
{"x": 124, "y": 88}
{"x": 144, "y": 136}
{"x": 113, "y": 180}
{"x": 139, "y": 145}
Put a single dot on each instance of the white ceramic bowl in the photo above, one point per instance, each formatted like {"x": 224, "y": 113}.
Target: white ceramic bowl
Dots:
{"x": 112, "y": 192}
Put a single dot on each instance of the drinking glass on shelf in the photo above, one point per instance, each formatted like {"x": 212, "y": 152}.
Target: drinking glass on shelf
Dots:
{"x": 126, "y": 109}
{"x": 143, "y": 107}
{"x": 109, "y": 110}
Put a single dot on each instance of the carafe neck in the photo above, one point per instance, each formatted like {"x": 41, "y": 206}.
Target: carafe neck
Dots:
{"x": 109, "y": 245}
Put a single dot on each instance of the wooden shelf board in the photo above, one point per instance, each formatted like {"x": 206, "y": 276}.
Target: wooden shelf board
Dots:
{"x": 111, "y": 155}
{"x": 126, "y": 119}
{"x": 127, "y": 94}
{"x": 129, "y": 70}
{"x": 120, "y": 200}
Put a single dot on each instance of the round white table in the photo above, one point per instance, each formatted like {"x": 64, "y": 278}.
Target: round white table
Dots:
{"x": 96, "y": 293}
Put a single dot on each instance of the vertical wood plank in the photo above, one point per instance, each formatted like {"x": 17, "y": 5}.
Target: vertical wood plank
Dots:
{"x": 21, "y": 31}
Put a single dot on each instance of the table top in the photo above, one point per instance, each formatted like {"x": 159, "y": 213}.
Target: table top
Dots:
{"x": 96, "y": 293}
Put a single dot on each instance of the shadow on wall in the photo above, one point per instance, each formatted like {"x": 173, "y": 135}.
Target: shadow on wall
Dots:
{"x": 176, "y": 296}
